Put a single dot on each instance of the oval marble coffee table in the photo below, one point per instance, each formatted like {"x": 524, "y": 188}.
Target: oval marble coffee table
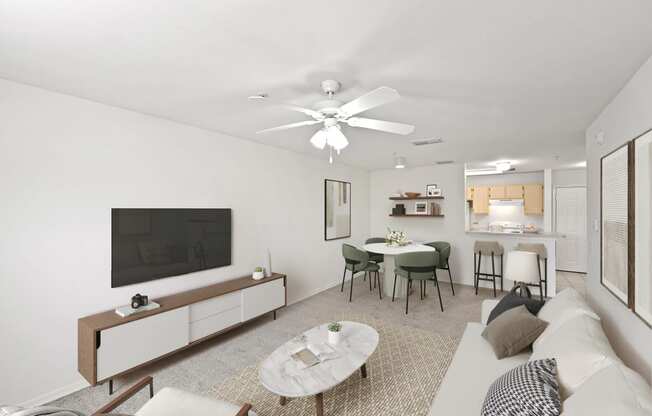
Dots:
{"x": 281, "y": 374}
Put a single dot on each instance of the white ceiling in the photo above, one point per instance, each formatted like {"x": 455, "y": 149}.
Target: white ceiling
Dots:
{"x": 502, "y": 79}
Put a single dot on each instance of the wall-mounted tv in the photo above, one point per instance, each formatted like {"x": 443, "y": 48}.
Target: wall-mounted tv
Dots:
{"x": 148, "y": 244}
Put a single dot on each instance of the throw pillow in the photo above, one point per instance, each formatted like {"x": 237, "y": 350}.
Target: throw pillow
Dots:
{"x": 567, "y": 305}
{"x": 529, "y": 389}
{"x": 581, "y": 349}
{"x": 512, "y": 300}
{"x": 513, "y": 331}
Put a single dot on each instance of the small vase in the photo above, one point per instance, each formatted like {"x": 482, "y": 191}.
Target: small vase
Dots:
{"x": 333, "y": 337}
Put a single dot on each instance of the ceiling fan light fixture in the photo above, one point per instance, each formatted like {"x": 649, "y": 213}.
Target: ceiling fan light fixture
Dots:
{"x": 399, "y": 162}
{"x": 319, "y": 139}
{"x": 335, "y": 138}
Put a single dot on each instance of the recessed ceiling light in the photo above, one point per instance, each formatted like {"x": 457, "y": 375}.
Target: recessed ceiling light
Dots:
{"x": 399, "y": 162}
{"x": 503, "y": 166}
{"x": 261, "y": 96}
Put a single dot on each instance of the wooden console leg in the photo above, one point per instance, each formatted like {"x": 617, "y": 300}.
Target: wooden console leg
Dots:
{"x": 282, "y": 400}
{"x": 363, "y": 370}
{"x": 110, "y": 387}
{"x": 319, "y": 402}
{"x": 274, "y": 315}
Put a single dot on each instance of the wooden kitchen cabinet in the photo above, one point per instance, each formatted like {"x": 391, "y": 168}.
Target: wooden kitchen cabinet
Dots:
{"x": 481, "y": 199}
{"x": 514, "y": 191}
{"x": 497, "y": 192}
{"x": 533, "y": 199}
{"x": 469, "y": 193}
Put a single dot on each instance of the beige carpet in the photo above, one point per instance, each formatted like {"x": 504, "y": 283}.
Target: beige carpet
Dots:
{"x": 404, "y": 374}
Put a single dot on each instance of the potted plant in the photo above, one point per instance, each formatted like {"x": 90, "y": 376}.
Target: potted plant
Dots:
{"x": 334, "y": 330}
{"x": 259, "y": 273}
{"x": 396, "y": 238}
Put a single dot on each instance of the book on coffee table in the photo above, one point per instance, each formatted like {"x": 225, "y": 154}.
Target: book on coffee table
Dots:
{"x": 313, "y": 354}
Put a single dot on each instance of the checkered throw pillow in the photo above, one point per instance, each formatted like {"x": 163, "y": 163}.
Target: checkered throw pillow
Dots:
{"x": 527, "y": 390}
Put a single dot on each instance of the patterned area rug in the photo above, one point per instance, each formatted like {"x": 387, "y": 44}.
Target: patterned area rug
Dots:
{"x": 403, "y": 376}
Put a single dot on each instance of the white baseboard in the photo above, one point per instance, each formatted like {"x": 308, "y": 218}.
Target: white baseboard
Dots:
{"x": 55, "y": 394}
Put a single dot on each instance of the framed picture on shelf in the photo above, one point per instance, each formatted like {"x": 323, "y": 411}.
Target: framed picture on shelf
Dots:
{"x": 421, "y": 208}
{"x": 433, "y": 190}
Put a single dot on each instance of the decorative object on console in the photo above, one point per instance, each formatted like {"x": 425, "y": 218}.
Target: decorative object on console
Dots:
{"x": 513, "y": 331}
{"x": 337, "y": 212}
{"x": 259, "y": 273}
{"x": 127, "y": 310}
{"x": 616, "y": 253}
{"x": 334, "y": 331}
{"x": 528, "y": 389}
{"x": 268, "y": 269}
{"x": 433, "y": 190}
{"x": 412, "y": 194}
{"x": 139, "y": 300}
{"x": 396, "y": 238}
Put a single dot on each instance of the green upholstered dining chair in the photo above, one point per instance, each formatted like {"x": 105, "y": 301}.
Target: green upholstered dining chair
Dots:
{"x": 356, "y": 261}
{"x": 419, "y": 266}
{"x": 444, "y": 250}
{"x": 376, "y": 257}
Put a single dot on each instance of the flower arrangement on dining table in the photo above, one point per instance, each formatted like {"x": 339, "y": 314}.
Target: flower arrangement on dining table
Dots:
{"x": 396, "y": 238}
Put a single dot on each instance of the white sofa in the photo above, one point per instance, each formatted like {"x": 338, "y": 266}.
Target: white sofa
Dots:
{"x": 609, "y": 388}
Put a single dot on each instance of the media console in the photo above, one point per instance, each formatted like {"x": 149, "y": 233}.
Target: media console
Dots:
{"x": 109, "y": 345}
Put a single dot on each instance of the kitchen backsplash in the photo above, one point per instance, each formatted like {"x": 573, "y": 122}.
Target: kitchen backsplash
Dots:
{"x": 505, "y": 213}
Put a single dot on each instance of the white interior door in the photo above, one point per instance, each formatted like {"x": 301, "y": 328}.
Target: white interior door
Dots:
{"x": 570, "y": 222}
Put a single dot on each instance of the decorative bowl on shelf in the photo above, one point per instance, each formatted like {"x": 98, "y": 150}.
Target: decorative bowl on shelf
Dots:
{"x": 412, "y": 194}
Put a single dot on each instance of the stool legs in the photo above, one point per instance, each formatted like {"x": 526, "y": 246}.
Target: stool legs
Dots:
{"x": 493, "y": 272}
{"x": 479, "y": 275}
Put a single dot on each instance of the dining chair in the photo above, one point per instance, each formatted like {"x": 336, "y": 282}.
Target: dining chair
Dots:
{"x": 356, "y": 261}
{"x": 419, "y": 266}
{"x": 444, "y": 250}
{"x": 376, "y": 257}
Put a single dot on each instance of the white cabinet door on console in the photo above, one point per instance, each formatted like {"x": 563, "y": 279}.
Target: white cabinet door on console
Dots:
{"x": 129, "y": 345}
{"x": 263, "y": 298}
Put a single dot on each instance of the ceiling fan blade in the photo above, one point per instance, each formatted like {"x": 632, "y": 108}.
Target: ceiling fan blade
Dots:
{"x": 290, "y": 126}
{"x": 264, "y": 99}
{"x": 388, "y": 126}
{"x": 375, "y": 98}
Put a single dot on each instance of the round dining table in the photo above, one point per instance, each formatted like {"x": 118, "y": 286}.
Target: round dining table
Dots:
{"x": 390, "y": 252}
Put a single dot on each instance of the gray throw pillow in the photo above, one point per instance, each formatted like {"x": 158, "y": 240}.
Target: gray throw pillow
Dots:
{"x": 529, "y": 389}
{"x": 513, "y": 331}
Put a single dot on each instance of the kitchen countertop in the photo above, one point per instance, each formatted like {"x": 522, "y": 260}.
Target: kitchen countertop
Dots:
{"x": 523, "y": 235}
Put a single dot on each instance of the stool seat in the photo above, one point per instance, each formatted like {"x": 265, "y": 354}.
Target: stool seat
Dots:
{"x": 488, "y": 247}
{"x": 492, "y": 249}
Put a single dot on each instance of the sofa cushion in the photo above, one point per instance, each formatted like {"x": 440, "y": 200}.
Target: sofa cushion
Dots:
{"x": 581, "y": 349}
{"x": 513, "y": 331}
{"x": 529, "y": 389}
{"x": 473, "y": 368}
{"x": 565, "y": 306}
{"x": 512, "y": 300}
{"x": 174, "y": 402}
{"x": 614, "y": 390}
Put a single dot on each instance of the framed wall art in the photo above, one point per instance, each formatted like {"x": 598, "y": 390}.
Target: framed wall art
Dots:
{"x": 642, "y": 291}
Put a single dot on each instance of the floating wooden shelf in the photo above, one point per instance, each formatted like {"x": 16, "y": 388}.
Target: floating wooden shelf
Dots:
{"x": 416, "y": 215}
{"x": 405, "y": 198}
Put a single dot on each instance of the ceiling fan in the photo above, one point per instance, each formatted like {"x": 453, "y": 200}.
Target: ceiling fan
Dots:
{"x": 332, "y": 113}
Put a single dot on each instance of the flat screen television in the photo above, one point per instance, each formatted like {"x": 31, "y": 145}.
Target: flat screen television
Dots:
{"x": 148, "y": 244}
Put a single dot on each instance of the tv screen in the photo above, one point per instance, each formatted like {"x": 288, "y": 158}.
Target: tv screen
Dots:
{"x": 148, "y": 244}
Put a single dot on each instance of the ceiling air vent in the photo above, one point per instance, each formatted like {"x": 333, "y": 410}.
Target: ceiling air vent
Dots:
{"x": 426, "y": 142}
{"x": 444, "y": 162}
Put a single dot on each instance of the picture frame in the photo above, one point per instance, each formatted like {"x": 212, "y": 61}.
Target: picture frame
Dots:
{"x": 641, "y": 297}
{"x": 337, "y": 209}
{"x": 433, "y": 190}
{"x": 421, "y": 208}
{"x": 617, "y": 223}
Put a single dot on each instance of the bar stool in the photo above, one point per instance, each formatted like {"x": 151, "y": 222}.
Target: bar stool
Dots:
{"x": 523, "y": 267}
{"x": 494, "y": 249}
{"x": 542, "y": 253}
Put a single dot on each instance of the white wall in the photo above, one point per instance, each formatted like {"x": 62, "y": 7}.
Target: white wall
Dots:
{"x": 65, "y": 162}
{"x": 626, "y": 117}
